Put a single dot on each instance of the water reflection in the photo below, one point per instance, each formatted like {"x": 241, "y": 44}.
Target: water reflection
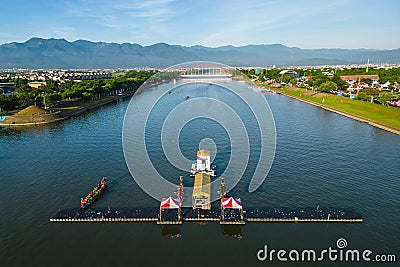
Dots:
{"x": 33, "y": 129}
{"x": 234, "y": 231}
{"x": 171, "y": 231}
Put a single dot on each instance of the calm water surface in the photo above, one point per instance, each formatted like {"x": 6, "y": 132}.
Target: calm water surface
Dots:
{"x": 321, "y": 158}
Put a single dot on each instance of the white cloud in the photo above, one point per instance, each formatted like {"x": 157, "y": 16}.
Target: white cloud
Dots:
{"x": 213, "y": 23}
{"x": 118, "y": 14}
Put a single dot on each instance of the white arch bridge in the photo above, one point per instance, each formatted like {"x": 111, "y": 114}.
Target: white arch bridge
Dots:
{"x": 206, "y": 71}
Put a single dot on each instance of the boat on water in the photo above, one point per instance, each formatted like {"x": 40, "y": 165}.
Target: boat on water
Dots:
{"x": 202, "y": 171}
{"x": 203, "y": 164}
{"x": 95, "y": 194}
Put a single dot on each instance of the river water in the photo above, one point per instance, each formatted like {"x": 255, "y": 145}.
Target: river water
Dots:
{"x": 321, "y": 158}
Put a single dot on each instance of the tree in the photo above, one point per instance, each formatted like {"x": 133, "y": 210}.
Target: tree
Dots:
{"x": 10, "y": 102}
{"x": 87, "y": 90}
{"x": 66, "y": 86}
{"x": 20, "y": 82}
{"x": 366, "y": 80}
{"x": 328, "y": 86}
{"x": 362, "y": 95}
{"x": 317, "y": 80}
{"x": 272, "y": 74}
{"x": 50, "y": 87}
{"x": 24, "y": 100}
{"x": 286, "y": 78}
{"x": 50, "y": 98}
{"x": 71, "y": 93}
{"x": 87, "y": 96}
{"x": 2, "y": 101}
{"x": 339, "y": 82}
{"x": 293, "y": 81}
{"x": 25, "y": 88}
{"x": 384, "y": 97}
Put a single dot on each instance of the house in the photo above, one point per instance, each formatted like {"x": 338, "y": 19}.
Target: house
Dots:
{"x": 327, "y": 73}
{"x": 36, "y": 84}
{"x": 350, "y": 79}
{"x": 385, "y": 85}
{"x": 7, "y": 88}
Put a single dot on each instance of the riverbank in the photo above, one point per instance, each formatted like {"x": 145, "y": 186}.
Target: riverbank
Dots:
{"x": 383, "y": 117}
{"x": 65, "y": 113}
{"x": 32, "y": 115}
{"x": 69, "y": 112}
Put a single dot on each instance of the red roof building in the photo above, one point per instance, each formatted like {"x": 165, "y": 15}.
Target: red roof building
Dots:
{"x": 357, "y": 78}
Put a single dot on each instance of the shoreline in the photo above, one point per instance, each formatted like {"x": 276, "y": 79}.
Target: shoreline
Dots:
{"x": 82, "y": 110}
{"x": 71, "y": 114}
{"x": 97, "y": 105}
{"x": 346, "y": 114}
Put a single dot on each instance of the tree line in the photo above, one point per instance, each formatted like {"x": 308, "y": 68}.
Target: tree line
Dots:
{"x": 385, "y": 75}
{"x": 54, "y": 91}
{"x": 324, "y": 83}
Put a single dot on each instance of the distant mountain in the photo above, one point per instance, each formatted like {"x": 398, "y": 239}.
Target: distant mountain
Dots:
{"x": 59, "y": 53}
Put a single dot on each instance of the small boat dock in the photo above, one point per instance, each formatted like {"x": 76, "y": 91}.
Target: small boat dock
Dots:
{"x": 187, "y": 214}
{"x": 230, "y": 210}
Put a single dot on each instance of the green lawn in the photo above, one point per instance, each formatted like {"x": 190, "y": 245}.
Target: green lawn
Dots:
{"x": 389, "y": 116}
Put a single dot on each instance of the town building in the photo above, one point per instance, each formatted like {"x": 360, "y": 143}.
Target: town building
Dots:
{"x": 290, "y": 73}
{"x": 350, "y": 79}
{"x": 36, "y": 84}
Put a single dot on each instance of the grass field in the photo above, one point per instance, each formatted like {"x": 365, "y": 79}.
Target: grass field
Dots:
{"x": 389, "y": 116}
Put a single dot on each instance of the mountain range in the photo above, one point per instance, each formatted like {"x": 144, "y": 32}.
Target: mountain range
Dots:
{"x": 62, "y": 54}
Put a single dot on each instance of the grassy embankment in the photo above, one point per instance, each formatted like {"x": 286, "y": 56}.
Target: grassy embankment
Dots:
{"x": 33, "y": 115}
{"x": 67, "y": 111}
{"x": 384, "y": 115}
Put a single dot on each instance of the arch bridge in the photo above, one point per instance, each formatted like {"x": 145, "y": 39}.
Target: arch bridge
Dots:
{"x": 206, "y": 70}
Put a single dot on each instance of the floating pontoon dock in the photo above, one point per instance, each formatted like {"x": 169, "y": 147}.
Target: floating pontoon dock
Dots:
{"x": 325, "y": 215}
{"x": 230, "y": 212}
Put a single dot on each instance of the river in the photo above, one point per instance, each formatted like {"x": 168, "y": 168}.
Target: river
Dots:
{"x": 321, "y": 158}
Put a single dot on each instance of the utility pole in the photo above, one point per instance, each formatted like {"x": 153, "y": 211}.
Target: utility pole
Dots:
{"x": 44, "y": 101}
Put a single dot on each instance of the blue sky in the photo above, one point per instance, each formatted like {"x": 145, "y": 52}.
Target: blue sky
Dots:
{"x": 304, "y": 24}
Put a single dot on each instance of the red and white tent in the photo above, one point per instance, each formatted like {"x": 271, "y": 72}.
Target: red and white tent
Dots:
{"x": 170, "y": 203}
{"x": 231, "y": 203}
